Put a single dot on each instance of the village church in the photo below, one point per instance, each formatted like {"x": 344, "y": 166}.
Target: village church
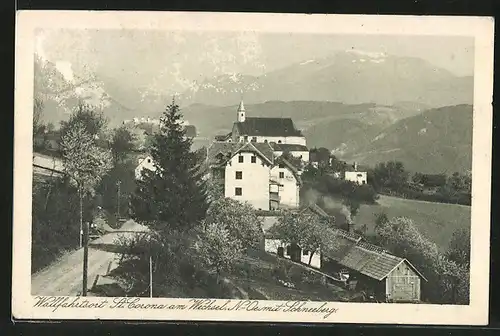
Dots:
{"x": 249, "y": 164}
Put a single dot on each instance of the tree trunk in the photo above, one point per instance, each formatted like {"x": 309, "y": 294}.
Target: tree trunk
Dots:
{"x": 85, "y": 259}
{"x": 80, "y": 195}
{"x": 310, "y": 257}
{"x": 48, "y": 196}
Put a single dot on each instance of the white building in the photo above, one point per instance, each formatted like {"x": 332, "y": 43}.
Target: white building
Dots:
{"x": 274, "y": 245}
{"x": 144, "y": 162}
{"x": 288, "y": 183}
{"x": 250, "y": 172}
{"x": 298, "y": 151}
{"x": 356, "y": 176}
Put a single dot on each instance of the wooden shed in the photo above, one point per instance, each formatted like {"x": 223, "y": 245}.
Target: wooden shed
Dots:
{"x": 388, "y": 277}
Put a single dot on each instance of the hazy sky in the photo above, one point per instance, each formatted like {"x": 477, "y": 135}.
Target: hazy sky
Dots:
{"x": 156, "y": 59}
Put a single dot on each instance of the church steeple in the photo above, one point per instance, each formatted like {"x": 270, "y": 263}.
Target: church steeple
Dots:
{"x": 241, "y": 112}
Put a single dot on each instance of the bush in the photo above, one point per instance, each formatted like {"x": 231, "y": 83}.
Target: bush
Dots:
{"x": 55, "y": 224}
{"x": 447, "y": 283}
{"x": 439, "y": 197}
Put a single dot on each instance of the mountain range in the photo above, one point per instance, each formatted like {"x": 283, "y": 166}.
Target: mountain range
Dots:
{"x": 367, "y": 107}
{"x": 348, "y": 77}
{"x": 435, "y": 141}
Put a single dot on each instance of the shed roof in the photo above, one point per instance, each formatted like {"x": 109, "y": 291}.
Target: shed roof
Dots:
{"x": 368, "y": 259}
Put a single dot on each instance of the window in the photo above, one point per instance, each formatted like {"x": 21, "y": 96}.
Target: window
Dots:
{"x": 305, "y": 252}
{"x": 149, "y": 160}
{"x": 279, "y": 141}
{"x": 240, "y": 159}
{"x": 238, "y": 191}
{"x": 288, "y": 250}
{"x": 265, "y": 141}
{"x": 282, "y": 175}
{"x": 360, "y": 175}
{"x": 254, "y": 159}
{"x": 254, "y": 139}
{"x": 239, "y": 175}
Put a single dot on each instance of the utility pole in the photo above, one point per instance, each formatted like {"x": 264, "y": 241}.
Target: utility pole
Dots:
{"x": 85, "y": 258}
{"x": 150, "y": 276}
{"x": 118, "y": 184}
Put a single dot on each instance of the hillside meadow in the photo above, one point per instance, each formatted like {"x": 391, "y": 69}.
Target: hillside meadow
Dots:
{"x": 437, "y": 221}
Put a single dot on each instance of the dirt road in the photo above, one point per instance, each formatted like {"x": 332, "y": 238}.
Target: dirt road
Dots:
{"x": 64, "y": 277}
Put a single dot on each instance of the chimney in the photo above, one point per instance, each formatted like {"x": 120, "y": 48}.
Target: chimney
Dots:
{"x": 355, "y": 166}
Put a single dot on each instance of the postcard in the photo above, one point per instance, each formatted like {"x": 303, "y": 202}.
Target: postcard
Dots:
{"x": 190, "y": 166}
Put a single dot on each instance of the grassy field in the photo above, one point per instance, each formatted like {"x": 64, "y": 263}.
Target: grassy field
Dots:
{"x": 437, "y": 221}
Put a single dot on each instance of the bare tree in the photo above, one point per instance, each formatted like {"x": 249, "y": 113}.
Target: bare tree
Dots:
{"x": 84, "y": 162}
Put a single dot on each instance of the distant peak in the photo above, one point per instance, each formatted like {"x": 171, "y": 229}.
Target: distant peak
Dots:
{"x": 370, "y": 54}
{"x": 66, "y": 70}
{"x": 306, "y": 62}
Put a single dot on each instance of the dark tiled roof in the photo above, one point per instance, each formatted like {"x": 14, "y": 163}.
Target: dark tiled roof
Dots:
{"x": 262, "y": 147}
{"x": 267, "y": 127}
{"x": 48, "y": 162}
{"x": 220, "y": 152}
{"x": 368, "y": 259}
{"x": 317, "y": 210}
{"x": 223, "y": 137}
{"x": 289, "y": 147}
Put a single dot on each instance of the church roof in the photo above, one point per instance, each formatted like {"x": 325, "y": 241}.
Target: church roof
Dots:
{"x": 253, "y": 126}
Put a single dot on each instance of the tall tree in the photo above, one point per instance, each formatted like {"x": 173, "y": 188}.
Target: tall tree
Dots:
{"x": 84, "y": 162}
{"x": 448, "y": 282}
{"x": 239, "y": 218}
{"x": 172, "y": 195}
{"x": 217, "y": 248}
{"x": 459, "y": 247}
{"x": 92, "y": 119}
{"x": 122, "y": 143}
{"x": 303, "y": 231}
{"x": 37, "y": 114}
{"x": 390, "y": 175}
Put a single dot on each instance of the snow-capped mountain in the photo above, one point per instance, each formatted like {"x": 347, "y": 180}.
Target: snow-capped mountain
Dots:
{"x": 61, "y": 89}
{"x": 352, "y": 77}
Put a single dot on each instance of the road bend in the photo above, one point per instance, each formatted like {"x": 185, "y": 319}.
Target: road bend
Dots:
{"x": 64, "y": 277}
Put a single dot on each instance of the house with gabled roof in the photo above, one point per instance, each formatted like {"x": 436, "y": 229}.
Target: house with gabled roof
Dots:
{"x": 391, "y": 278}
{"x": 144, "y": 161}
{"x": 251, "y": 172}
